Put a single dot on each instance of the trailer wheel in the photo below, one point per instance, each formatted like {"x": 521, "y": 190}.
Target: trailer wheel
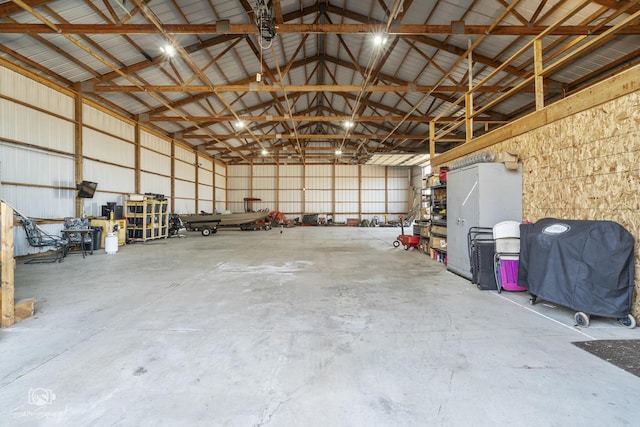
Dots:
{"x": 582, "y": 319}
{"x": 206, "y": 231}
{"x": 406, "y": 247}
{"x": 629, "y": 321}
{"x": 396, "y": 243}
{"x": 214, "y": 230}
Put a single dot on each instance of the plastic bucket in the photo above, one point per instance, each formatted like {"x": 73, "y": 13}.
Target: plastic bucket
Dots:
{"x": 111, "y": 243}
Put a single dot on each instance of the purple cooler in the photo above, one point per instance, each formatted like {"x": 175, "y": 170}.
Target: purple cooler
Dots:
{"x": 509, "y": 275}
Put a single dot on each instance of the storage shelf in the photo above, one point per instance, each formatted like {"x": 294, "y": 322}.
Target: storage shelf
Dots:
{"x": 147, "y": 220}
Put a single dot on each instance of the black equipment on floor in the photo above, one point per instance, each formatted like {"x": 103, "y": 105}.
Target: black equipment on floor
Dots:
{"x": 583, "y": 265}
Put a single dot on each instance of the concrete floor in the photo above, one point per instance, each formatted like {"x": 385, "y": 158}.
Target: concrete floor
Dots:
{"x": 317, "y": 326}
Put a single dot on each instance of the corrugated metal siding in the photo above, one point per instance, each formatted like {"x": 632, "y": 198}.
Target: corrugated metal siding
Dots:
{"x": 291, "y": 183}
{"x": 101, "y": 146}
{"x": 205, "y": 192}
{"x": 264, "y": 182}
{"x": 347, "y": 170}
{"x": 205, "y": 177}
{"x": 319, "y": 183}
{"x": 185, "y": 155}
{"x": 204, "y": 205}
{"x": 184, "y": 206}
{"x": 109, "y": 177}
{"x": 316, "y": 196}
{"x": 154, "y": 162}
{"x": 373, "y": 184}
{"x": 205, "y": 163}
{"x": 287, "y": 196}
{"x": 347, "y": 183}
{"x": 30, "y": 166}
{"x": 24, "y": 124}
{"x": 21, "y": 88}
{"x": 155, "y": 143}
{"x": 399, "y": 183}
{"x": 290, "y": 170}
{"x": 152, "y": 183}
{"x": 184, "y": 189}
{"x": 186, "y": 171}
{"x": 239, "y": 171}
{"x": 106, "y": 123}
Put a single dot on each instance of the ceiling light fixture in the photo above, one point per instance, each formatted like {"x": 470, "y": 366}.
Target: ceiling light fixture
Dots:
{"x": 379, "y": 40}
{"x": 348, "y": 124}
{"x": 264, "y": 152}
{"x": 239, "y": 124}
{"x": 338, "y": 152}
{"x": 168, "y": 50}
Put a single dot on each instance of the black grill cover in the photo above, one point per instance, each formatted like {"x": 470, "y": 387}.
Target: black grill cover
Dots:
{"x": 584, "y": 265}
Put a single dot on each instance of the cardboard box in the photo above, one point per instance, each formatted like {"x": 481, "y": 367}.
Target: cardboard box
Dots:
{"x": 439, "y": 229}
{"x": 439, "y": 243}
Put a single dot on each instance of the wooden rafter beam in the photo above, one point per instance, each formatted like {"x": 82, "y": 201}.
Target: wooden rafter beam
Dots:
{"x": 309, "y": 118}
{"x": 364, "y": 29}
{"x": 292, "y": 88}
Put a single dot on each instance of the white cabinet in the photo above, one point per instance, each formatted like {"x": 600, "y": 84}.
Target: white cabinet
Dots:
{"x": 479, "y": 195}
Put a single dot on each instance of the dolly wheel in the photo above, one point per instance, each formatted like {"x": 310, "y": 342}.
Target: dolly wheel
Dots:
{"x": 406, "y": 247}
{"x": 582, "y": 319}
{"x": 629, "y": 321}
{"x": 206, "y": 231}
{"x": 396, "y": 244}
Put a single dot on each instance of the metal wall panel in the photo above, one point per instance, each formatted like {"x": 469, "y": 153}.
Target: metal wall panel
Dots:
{"x": 101, "y": 146}
{"x": 221, "y": 200}
{"x": 157, "y": 184}
{"x": 155, "y": 143}
{"x": 291, "y": 183}
{"x": 186, "y": 171}
{"x": 106, "y": 123}
{"x": 205, "y": 163}
{"x": 399, "y": 196}
{"x": 204, "y": 205}
{"x": 398, "y": 183}
{"x": 205, "y": 176}
{"x": 242, "y": 183}
{"x": 184, "y": 206}
{"x": 291, "y": 208}
{"x": 265, "y": 170}
{"x": 374, "y": 184}
{"x": 220, "y": 170}
{"x": 29, "y": 201}
{"x": 371, "y": 196}
{"x": 347, "y": 196}
{"x": 373, "y": 171}
{"x": 398, "y": 208}
{"x": 318, "y": 207}
{"x": 324, "y": 196}
{"x": 397, "y": 172}
{"x": 319, "y": 170}
{"x": 239, "y": 171}
{"x": 185, "y": 155}
{"x": 27, "y": 165}
{"x": 109, "y": 177}
{"x": 21, "y": 88}
{"x": 287, "y": 196}
{"x": 319, "y": 183}
{"x": 344, "y": 207}
{"x": 264, "y": 183}
{"x": 291, "y": 170}
{"x": 185, "y": 189}
{"x": 347, "y": 170}
{"x": 268, "y": 198}
{"x": 347, "y": 184}
{"x": 152, "y": 161}
{"x": 205, "y": 192}
{"x": 24, "y": 124}
{"x": 375, "y": 207}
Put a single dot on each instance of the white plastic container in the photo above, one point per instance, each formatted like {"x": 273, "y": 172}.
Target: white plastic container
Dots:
{"x": 111, "y": 243}
{"x": 506, "y": 229}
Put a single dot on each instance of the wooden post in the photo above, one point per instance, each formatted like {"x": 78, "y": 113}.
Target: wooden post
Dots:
{"x": 539, "y": 80}
{"x": 8, "y": 265}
